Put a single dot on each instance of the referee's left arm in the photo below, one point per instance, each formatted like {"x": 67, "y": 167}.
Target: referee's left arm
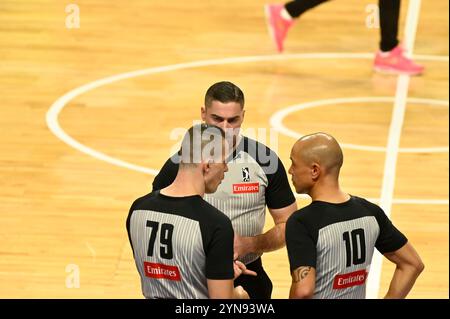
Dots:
{"x": 274, "y": 238}
{"x": 281, "y": 203}
{"x": 271, "y": 240}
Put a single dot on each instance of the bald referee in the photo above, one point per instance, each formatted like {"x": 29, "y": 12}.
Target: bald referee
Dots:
{"x": 331, "y": 241}
{"x": 183, "y": 246}
{"x": 256, "y": 178}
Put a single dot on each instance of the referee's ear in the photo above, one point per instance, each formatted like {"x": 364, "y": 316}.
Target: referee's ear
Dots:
{"x": 316, "y": 171}
{"x": 206, "y": 166}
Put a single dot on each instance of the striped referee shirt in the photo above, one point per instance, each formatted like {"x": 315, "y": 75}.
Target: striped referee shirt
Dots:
{"x": 178, "y": 243}
{"x": 256, "y": 177}
{"x": 338, "y": 240}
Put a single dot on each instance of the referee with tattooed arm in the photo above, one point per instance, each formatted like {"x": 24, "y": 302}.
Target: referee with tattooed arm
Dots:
{"x": 331, "y": 242}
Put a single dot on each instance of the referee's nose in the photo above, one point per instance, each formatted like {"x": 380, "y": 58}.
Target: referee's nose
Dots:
{"x": 226, "y": 126}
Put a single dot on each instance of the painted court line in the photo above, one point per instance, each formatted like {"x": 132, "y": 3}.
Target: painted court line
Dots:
{"x": 396, "y": 201}
{"x": 392, "y": 149}
{"x": 395, "y": 131}
{"x": 276, "y": 120}
{"x": 55, "y": 109}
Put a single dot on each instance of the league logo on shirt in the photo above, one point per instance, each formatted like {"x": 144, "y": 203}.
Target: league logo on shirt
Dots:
{"x": 245, "y": 174}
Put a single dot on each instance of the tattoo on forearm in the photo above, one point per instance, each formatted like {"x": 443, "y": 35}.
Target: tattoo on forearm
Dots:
{"x": 300, "y": 273}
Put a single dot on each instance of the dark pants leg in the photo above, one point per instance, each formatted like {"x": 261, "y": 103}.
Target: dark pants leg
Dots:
{"x": 389, "y": 16}
{"x": 298, "y": 7}
{"x": 259, "y": 287}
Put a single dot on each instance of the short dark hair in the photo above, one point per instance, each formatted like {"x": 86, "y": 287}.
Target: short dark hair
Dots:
{"x": 224, "y": 92}
{"x": 196, "y": 140}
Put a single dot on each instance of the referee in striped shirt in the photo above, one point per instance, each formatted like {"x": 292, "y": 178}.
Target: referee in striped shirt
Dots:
{"x": 256, "y": 178}
{"x": 331, "y": 241}
{"x": 183, "y": 246}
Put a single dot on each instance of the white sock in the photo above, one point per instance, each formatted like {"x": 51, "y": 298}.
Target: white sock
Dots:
{"x": 285, "y": 15}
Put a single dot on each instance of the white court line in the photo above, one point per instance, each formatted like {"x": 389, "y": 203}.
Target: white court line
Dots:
{"x": 276, "y": 120}
{"x": 397, "y": 201}
{"x": 431, "y": 58}
{"x": 409, "y": 201}
{"x": 53, "y": 124}
{"x": 395, "y": 130}
{"x": 60, "y": 103}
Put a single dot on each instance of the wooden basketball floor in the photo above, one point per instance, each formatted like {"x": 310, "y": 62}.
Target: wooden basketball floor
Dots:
{"x": 62, "y": 211}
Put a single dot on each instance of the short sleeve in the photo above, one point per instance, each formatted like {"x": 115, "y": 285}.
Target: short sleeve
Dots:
{"x": 390, "y": 238}
{"x": 167, "y": 174}
{"x": 300, "y": 244}
{"x": 278, "y": 191}
{"x": 128, "y": 221}
{"x": 128, "y": 227}
{"x": 219, "y": 253}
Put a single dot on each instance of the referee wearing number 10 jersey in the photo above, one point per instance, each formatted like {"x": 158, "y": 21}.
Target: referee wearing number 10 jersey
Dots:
{"x": 331, "y": 241}
{"x": 183, "y": 246}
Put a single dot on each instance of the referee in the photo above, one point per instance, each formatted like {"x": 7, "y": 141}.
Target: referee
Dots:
{"x": 183, "y": 246}
{"x": 256, "y": 178}
{"x": 331, "y": 241}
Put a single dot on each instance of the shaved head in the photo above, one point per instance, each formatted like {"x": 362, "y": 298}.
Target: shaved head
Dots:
{"x": 322, "y": 149}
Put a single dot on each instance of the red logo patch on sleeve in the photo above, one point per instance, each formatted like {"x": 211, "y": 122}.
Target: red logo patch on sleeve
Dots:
{"x": 245, "y": 188}
{"x": 160, "y": 271}
{"x": 349, "y": 280}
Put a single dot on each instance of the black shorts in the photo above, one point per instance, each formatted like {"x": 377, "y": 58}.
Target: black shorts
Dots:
{"x": 259, "y": 287}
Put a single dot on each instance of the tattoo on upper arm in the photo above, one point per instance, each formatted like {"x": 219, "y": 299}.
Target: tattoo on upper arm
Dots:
{"x": 300, "y": 273}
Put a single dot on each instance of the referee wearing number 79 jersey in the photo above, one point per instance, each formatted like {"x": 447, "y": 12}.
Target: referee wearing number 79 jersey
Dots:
{"x": 330, "y": 242}
{"x": 183, "y": 246}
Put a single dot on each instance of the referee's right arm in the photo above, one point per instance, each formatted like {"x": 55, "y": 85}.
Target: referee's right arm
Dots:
{"x": 409, "y": 267}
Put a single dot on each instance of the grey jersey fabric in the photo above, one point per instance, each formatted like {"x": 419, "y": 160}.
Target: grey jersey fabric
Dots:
{"x": 333, "y": 259}
{"x": 179, "y": 243}
{"x": 243, "y": 202}
{"x": 338, "y": 240}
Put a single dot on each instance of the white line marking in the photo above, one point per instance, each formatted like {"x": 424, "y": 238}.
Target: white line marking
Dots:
{"x": 53, "y": 124}
{"x": 58, "y": 105}
{"x": 408, "y": 201}
{"x": 395, "y": 130}
{"x": 398, "y": 201}
{"x": 412, "y": 20}
{"x": 276, "y": 121}
{"x": 431, "y": 58}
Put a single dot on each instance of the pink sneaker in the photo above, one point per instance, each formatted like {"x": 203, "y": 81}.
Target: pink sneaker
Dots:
{"x": 396, "y": 62}
{"x": 278, "y": 26}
